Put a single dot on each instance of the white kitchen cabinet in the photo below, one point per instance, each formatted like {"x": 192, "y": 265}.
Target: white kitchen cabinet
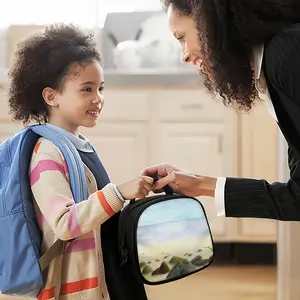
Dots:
{"x": 191, "y": 131}
{"x": 185, "y": 127}
{"x": 187, "y": 104}
{"x": 145, "y": 125}
{"x": 122, "y": 136}
{"x": 259, "y": 156}
{"x": 126, "y": 105}
{"x": 122, "y": 148}
{"x": 197, "y": 148}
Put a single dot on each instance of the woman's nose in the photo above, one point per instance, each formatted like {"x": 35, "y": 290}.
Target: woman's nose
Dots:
{"x": 186, "y": 57}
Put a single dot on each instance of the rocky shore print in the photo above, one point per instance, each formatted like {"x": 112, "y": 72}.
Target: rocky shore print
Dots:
{"x": 173, "y": 240}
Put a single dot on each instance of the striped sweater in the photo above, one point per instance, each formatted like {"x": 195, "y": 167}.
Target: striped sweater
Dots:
{"x": 82, "y": 269}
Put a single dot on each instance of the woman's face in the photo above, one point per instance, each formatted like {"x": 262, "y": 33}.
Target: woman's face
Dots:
{"x": 185, "y": 31}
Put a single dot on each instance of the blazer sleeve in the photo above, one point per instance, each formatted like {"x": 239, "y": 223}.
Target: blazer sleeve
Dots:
{"x": 258, "y": 198}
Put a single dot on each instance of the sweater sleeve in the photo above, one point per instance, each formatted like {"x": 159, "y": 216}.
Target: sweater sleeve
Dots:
{"x": 50, "y": 186}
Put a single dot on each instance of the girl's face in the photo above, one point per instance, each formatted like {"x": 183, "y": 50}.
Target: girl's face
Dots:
{"x": 81, "y": 101}
{"x": 185, "y": 31}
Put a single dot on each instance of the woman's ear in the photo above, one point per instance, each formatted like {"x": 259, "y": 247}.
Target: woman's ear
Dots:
{"x": 49, "y": 95}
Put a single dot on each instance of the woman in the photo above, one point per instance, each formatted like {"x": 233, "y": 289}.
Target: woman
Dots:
{"x": 243, "y": 48}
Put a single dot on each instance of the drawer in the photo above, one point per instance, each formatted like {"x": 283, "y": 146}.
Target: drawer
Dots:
{"x": 188, "y": 105}
{"x": 131, "y": 105}
{"x": 119, "y": 105}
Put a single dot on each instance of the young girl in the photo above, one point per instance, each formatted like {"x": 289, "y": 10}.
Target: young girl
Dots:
{"x": 56, "y": 78}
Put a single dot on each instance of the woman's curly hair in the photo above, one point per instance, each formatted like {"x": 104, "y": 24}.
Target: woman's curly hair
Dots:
{"x": 44, "y": 60}
{"x": 228, "y": 32}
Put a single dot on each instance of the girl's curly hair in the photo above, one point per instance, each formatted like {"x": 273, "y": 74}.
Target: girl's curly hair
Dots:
{"x": 43, "y": 60}
{"x": 228, "y": 32}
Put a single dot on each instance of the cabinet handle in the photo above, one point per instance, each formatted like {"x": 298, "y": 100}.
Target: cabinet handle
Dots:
{"x": 192, "y": 106}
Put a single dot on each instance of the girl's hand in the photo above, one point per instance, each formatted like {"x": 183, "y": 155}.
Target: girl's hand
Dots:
{"x": 138, "y": 187}
{"x": 181, "y": 181}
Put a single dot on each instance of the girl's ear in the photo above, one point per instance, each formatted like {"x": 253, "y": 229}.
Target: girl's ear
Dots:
{"x": 49, "y": 95}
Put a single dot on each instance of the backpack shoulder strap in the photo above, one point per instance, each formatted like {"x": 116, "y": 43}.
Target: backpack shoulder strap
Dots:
{"x": 72, "y": 157}
{"x": 55, "y": 250}
{"x": 77, "y": 182}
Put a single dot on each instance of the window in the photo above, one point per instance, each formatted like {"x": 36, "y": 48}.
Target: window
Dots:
{"x": 38, "y": 12}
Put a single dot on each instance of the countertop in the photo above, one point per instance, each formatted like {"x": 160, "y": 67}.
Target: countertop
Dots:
{"x": 152, "y": 77}
{"x": 148, "y": 77}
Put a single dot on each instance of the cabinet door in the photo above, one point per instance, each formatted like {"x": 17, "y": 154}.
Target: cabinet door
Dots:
{"x": 122, "y": 148}
{"x": 259, "y": 153}
{"x": 121, "y": 137}
{"x": 196, "y": 147}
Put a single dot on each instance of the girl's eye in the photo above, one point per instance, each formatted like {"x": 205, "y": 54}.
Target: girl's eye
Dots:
{"x": 101, "y": 88}
{"x": 87, "y": 90}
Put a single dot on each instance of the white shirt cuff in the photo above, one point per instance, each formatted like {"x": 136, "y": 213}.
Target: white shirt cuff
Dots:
{"x": 220, "y": 196}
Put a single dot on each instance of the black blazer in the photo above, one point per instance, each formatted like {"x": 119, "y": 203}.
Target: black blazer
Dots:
{"x": 259, "y": 198}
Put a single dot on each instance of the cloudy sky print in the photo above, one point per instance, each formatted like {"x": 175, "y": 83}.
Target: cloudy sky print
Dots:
{"x": 172, "y": 220}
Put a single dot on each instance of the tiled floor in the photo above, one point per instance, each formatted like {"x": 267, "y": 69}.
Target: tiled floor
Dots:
{"x": 221, "y": 283}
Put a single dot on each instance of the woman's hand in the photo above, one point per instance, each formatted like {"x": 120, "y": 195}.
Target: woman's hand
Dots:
{"x": 137, "y": 187}
{"x": 181, "y": 181}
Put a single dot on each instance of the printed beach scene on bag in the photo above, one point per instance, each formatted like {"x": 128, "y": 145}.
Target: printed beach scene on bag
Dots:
{"x": 173, "y": 240}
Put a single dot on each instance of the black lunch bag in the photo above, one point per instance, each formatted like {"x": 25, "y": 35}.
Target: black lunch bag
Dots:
{"x": 164, "y": 237}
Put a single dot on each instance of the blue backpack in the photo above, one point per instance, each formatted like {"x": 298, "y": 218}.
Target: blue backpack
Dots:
{"x": 21, "y": 265}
